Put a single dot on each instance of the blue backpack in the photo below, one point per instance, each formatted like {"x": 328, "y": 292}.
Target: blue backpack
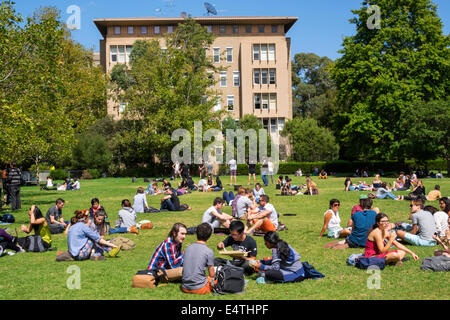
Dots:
{"x": 364, "y": 263}
{"x": 351, "y": 260}
{"x": 311, "y": 272}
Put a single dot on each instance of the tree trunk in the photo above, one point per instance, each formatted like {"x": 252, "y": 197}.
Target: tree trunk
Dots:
{"x": 36, "y": 161}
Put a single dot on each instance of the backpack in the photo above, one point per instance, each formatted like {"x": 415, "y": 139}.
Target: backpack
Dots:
{"x": 364, "y": 263}
{"x": 228, "y": 279}
{"x": 311, "y": 272}
{"x": 35, "y": 244}
{"x": 8, "y": 218}
{"x": 126, "y": 244}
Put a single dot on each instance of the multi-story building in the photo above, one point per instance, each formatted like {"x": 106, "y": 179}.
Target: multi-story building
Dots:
{"x": 255, "y": 51}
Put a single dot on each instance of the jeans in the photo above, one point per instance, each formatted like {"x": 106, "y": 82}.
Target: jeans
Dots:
{"x": 118, "y": 230}
{"x": 389, "y": 194}
{"x": 265, "y": 180}
{"x": 167, "y": 205}
{"x": 14, "y": 192}
{"x": 228, "y": 197}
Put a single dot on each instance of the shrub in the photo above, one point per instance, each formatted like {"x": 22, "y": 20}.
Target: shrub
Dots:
{"x": 59, "y": 174}
{"x": 91, "y": 174}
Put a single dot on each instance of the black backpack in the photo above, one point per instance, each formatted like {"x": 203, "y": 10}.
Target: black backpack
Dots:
{"x": 229, "y": 279}
{"x": 8, "y": 218}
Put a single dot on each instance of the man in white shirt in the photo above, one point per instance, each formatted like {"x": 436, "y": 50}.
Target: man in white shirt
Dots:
{"x": 215, "y": 217}
{"x": 233, "y": 171}
{"x": 264, "y": 218}
{"x": 76, "y": 184}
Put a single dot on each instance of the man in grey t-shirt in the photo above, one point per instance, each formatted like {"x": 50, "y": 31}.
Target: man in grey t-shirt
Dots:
{"x": 55, "y": 219}
{"x": 244, "y": 204}
{"x": 424, "y": 226}
{"x": 196, "y": 259}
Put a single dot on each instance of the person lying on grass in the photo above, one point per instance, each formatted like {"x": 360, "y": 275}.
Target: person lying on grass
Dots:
{"x": 215, "y": 217}
{"x": 332, "y": 222}
{"x": 375, "y": 245}
{"x": 285, "y": 265}
{"x": 197, "y": 258}
{"x": 263, "y": 218}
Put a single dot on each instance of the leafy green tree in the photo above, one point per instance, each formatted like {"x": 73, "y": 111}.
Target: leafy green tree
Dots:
{"x": 428, "y": 134}
{"x": 313, "y": 90}
{"x": 309, "y": 141}
{"x": 91, "y": 152}
{"x": 170, "y": 90}
{"x": 383, "y": 71}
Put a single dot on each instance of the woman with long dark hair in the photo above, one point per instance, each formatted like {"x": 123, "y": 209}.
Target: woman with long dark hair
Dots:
{"x": 375, "y": 245}
{"x": 39, "y": 225}
{"x": 285, "y": 265}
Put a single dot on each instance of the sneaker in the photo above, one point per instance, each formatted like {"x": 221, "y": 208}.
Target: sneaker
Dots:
{"x": 10, "y": 253}
{"x": 114, "y": 252}
{"x": 261, "y": 280}
{"x": 64, "y": 256}
{"x": 133, "y": 229}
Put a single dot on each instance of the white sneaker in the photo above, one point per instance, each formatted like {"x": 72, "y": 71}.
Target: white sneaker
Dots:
{"x": 1, "y": 251}
{"x": 11, "y": 253}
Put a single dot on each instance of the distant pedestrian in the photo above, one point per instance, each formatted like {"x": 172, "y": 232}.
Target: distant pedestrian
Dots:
{"x": 14, "y": 180}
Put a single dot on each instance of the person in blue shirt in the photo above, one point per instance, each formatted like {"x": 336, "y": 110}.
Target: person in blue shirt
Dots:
{"x": 362, "y": 222}
{"x": 285, "y": 265}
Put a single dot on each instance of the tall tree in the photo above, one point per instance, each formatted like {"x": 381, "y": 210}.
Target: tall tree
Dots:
{"x": 170, "y": 90}
{"x": 313, "y": 90}
{"x": 382, "y": 71}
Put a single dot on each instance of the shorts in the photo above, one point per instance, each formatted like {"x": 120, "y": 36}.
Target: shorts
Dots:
{"x": 267, "y": 226}
{"x": 204, "y": 290}
{"x": 418, "y": 241}
{"x": 252, "y": 171}
{"x": 334, "y": 232}
{"x": 233, "y": 172}
{"x": 352, "y": 244}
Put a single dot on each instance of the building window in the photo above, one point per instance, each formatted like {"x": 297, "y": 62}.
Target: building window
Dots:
{"x": 272, "y": 76}
{"x": 280, "y": 124}
{"x": 229, "y": 54}
{"x": 113, "y": 50}
{"x": 266, "y": 124}
{"x": 209, "y": 29}
{"x": 130, "y": 30}
{"x": 236, "y": 79}
{"x": 265, "y": 101}
{"x": 121, "y": 54}
{"x": 248, "y": 29}
{"x": 256, "y": 76}
{"x": 218, "y": 105}
{"x": 117, "y": 30}
{"x": 157, "y": 29}
{"x": 216, "y": 55}
{"x": 271, "y": 52}
{"x": 143, "y": 30}
{"x": 273, "y": 101}
{"x": 273, "y": 125}
{"x": 122, "y": 107}
{"x": 264, "y": 76}
{"x": 223, "y": 79}
{"x": 235, "y": 29}
{"x": 274, "y": 29}
{"x": 230, "y": 103}
{"x": 128, "y": 53}
{"x": 264, "y": 52}
{"x": 261, "y": 28}
{"x": 222, "y": 29}
{"x": 257, "y": 100}
{"x": 256, "y": 51}
{"x": 170, "y": 29}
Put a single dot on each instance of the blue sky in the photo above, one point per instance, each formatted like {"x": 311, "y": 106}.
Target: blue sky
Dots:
{"x": 321, "y": 26}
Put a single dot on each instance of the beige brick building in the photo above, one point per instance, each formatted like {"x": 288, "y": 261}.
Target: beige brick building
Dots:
{"x": 255, "y": 51}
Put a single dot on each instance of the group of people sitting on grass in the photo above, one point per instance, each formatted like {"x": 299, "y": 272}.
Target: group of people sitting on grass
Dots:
{"x": 69, "y": 184}
{"x": 187, "y": 185}
{"x": 197, "y": 265}
{"x": 371, "y": 229}
{"x": 287, "y": 189}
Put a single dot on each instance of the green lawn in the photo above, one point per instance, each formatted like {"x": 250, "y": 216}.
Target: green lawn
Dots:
{"x": 32, "y": 276}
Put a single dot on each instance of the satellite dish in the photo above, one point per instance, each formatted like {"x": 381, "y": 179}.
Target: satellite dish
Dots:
{"x": 210, "y": 9}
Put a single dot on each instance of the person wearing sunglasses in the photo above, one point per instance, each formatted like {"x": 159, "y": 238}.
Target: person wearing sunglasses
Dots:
{"x": 377, "y": 247}
{"x": 332, "y": 222}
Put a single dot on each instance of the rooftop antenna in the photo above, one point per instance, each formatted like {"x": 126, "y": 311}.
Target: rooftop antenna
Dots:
{"x": 210, "y": 9}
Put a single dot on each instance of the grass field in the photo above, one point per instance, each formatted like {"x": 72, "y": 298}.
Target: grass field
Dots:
{"x": 33, "y": 276}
